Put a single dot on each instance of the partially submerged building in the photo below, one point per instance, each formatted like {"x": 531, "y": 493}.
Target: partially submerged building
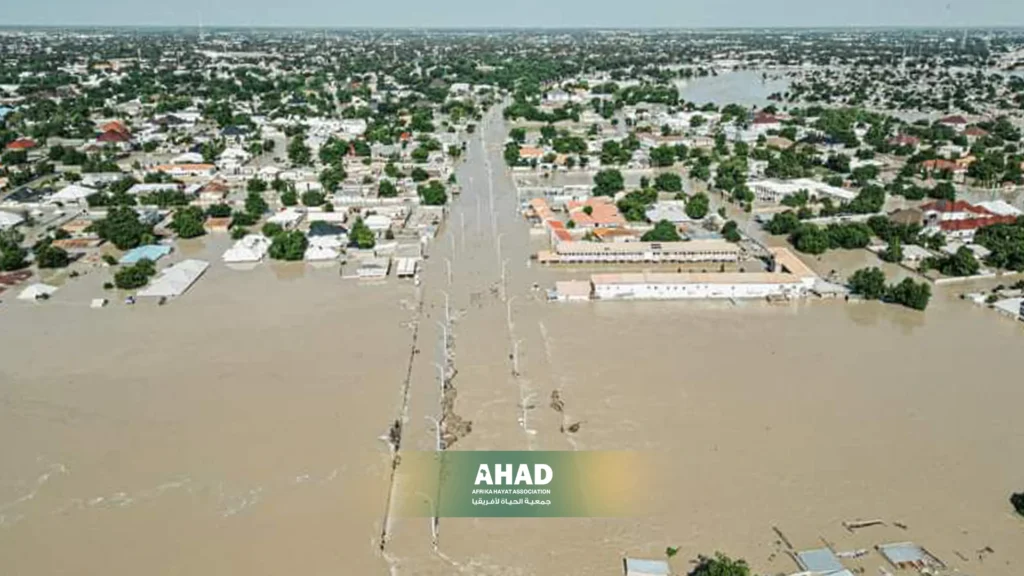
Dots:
{"x": 790, "y": 278}
{"x": 641, "y": 252}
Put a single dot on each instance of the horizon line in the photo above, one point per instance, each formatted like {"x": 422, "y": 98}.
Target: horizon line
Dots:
{"x": 540, "y": 27}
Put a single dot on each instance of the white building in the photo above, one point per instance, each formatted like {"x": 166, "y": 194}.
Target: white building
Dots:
{"x": 73, "y": 194}
{"x": 632, "y": 252}
{"x": 176, "y": 280}
{"x": 9, "y": 220}
{"x": 792, "y": 279}
{"x": 251, "y": 248}
{"x": 775, "y": 190}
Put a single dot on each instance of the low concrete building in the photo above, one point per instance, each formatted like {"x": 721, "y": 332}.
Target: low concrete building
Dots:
{"x": 640, "y": 252}
{"x": 791, "y": 278}
{"x": 572, "y": 291}
{"x": 639, "y": 567}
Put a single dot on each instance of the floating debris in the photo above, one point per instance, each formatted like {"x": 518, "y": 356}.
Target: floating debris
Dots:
{"x": 556, "y": 401}
{"x": 852, "y": 525}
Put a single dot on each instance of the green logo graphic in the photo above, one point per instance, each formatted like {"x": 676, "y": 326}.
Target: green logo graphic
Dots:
{"x": 523, "y": 484}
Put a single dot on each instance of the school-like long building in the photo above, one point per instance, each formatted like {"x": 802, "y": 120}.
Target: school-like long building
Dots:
{"x": 790, "y": 278}
{"x": 640, "y": 252}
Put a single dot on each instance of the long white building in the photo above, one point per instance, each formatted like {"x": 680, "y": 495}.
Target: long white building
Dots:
{"x": 791, "y": 278}
{"x": 776, "y": 190}
{"x": 641, "y": 252}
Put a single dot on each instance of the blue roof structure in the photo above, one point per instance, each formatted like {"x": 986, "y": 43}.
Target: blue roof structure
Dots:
{"x": 820, "y": 560}
{"x": 4, "y": 111}
{"x": 152, "y": 252}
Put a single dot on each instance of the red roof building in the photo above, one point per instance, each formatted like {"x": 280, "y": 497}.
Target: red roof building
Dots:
{"x": 940, "y": 165}
{"x": 115, "y": 125}
{"x": 22, "y": 144}
{"x": 114, "y": 137}
{"x": 765, "y": 118}
{"x": 960, "y": 218}
{"x": 954, "y": 120}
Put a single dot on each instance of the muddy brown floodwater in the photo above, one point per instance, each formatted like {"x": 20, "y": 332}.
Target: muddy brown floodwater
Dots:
{"x": 238, "y": 430}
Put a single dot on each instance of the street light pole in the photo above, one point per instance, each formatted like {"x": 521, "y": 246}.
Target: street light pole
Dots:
{"x": 515, "y": 357}
{"x": 447, "y": 313}
{"x": 444, "y": 334}
{"x": 440, "y": 375}
{"x": 508, "y": 307}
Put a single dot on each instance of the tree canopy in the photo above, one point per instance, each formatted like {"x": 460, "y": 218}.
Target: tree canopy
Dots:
{"x": 663, "y": 231}
{"x": 289, "y": 245}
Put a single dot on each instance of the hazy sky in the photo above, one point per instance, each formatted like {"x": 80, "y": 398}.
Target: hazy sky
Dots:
{"x": 516, "y": 13}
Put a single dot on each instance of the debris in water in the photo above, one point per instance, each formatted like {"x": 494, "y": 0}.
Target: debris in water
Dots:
{"x": 782, "y": 537}
{"x": 574, "y": 428}
{"x": 556, "y": 401}
{"x": 852, "y": 525}
{"x": 395, "y": 434}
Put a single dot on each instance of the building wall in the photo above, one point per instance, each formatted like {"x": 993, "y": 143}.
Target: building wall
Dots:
{"x": 692, "y": 291}
{"x": 649, "y": 257}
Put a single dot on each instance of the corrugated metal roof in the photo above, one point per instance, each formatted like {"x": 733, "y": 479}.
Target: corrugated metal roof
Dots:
{"x": 819, "y": 560}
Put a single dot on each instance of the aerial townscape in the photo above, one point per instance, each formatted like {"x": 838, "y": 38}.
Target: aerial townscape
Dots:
{"x": 243, "y": 272}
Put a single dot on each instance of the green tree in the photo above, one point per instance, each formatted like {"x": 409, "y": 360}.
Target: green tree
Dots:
{"x": 289, "y": 246}
{"x": 255, "y": 205}
{"x": 720, "y": 565}
{"x": 433, "y": 194}
{"x": 633, "y": 206}
{"x": 663, "y": 156}
{"x": 135, "y": 276}
{"x": 783, "y": 223}
{"x": 13, "y": 258}
{"x": 255, "y": 185}
{"x": 289, "y": 197}
{"x": 361, "y": 236}
{"x": 271, "y": 229}
{"x": 911, "y": 294}
{"x": 810, "y": 239}
{"x": 608, "y": 182}
{"x": 960, "y": 263}
{"x": 331, "y": 177}
{"x": 1006, "y": 243}
{"x": 298, "y": 152}
{"x": 517, "y": 135}
{"x": 663, "y": 231}
{"x": 218, "y": 211}
{"x": 386, "y": 189}
{"x": 668, "y": 182}
{"x": 893, "y": 252}
{"x": 188, "y": 222}
{"x": 697, "y": 206}
{"x": 869, "y": 283}
{"x": 511, "y": 154}
{"x": 50, "y": 256}
{"x": 730, "y": 231}
{"x": 312, "y": 198}
{"x": 418, "y": 174}
{"x": 122, "y": 228}
{"x": 1017, "y": 500}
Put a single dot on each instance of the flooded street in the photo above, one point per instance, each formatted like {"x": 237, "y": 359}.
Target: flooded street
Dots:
{"x": 237, "y": 430}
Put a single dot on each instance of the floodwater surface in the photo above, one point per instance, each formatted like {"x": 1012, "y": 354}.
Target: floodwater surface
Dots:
{"x": 238, "y": 430}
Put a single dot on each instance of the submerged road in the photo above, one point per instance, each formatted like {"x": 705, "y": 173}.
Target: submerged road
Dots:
{"x": 479, "y": 267}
